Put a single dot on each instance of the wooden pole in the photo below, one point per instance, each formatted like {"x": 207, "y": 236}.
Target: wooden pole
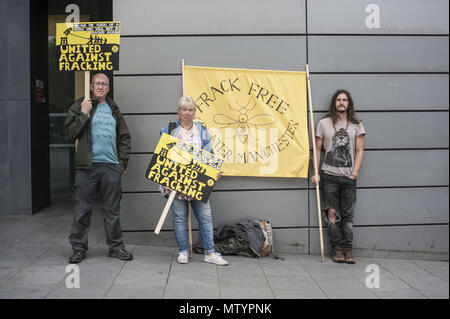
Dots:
{"x": 319, "y": 215}
{"x": 165, "y": 211}
{"x": 189, "y": 206}
{"x": 87, "y": 84}
{"x": 182, "y": 76}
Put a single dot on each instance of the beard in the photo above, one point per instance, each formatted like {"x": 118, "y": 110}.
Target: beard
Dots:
{"x": 341, "y": 111}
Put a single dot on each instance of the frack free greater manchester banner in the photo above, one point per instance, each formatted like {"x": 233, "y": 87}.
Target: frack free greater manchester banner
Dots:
{"x": 257, "y": 119}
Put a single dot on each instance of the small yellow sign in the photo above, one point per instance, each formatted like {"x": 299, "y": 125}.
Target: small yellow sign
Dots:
{"x": 88, "y": 46}
{"x": 184, "y": 168}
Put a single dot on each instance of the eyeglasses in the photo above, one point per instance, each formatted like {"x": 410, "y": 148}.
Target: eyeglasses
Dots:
{"x": 100, "y": 84}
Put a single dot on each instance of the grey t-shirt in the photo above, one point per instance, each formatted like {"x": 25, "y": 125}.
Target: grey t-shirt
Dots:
{"x": 339, "y": 146}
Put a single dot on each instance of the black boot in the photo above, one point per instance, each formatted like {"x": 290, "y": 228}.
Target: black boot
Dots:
{"x": 77, "y": 257}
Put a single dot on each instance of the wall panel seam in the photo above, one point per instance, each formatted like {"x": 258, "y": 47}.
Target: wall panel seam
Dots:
{"x": 184, "y": 35}
{"x": 295, "y": 189}
{"x": 213, "y": 35}
{"x": 310, "y": 72}
{"x": 368, "y": 150}
{"x": 315, "y": 111}
{"x": 316, "y": 227}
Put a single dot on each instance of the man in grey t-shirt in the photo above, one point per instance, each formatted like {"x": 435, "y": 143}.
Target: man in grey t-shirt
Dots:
{"x": 341, "y": 134}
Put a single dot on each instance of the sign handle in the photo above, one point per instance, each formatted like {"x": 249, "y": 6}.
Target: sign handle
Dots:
{"x": 319, "y": 215}
{"x": 87, "y": 91}
{"x": 165, "y": 211}
{"x": 182, "y": 76}
{"x": 190, "y": 229}
{"x": 87, "y": 78}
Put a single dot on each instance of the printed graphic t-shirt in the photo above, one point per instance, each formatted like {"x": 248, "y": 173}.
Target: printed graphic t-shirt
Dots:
{"x": 339, "y": 146}
{"x": 103, "y": 128}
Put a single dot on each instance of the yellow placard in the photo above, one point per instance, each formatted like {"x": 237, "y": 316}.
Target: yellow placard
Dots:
{"x": 88, "y": 46}
{"x": 257, "y": 119}
{"x": 184, "y": 168}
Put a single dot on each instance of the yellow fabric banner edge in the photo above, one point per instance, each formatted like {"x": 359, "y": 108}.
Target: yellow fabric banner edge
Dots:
{"x": 240, "y": 69}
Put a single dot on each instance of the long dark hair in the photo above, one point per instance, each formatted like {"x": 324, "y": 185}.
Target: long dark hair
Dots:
{"x": 350, "y": 110}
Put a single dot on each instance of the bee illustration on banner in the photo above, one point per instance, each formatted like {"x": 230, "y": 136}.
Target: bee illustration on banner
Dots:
{"x": 244, "y": 124}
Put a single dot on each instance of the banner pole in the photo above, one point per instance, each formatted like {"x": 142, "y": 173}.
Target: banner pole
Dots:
{"x": 182, "y": 76}
{"x": 319, "y": 215}
{"x": 189, "y": 205}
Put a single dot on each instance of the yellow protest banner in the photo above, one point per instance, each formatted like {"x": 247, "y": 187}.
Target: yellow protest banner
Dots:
{"x": 88, "y": 46}
{"x": 257, "y": 119}
{"x": 183, "y": 168}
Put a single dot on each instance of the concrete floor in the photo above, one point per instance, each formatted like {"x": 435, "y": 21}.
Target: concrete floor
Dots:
{"x": 35, "y": 249}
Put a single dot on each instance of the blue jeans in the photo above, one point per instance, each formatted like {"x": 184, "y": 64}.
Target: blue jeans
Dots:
{"x": 339, "y": 192}
{"x": 202, "y": 212}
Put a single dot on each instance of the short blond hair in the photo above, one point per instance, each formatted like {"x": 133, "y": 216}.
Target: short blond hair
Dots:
{"x": 186, "y": 101}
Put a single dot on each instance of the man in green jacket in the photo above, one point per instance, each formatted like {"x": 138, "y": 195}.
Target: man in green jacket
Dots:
{"x": 102, "y": 149}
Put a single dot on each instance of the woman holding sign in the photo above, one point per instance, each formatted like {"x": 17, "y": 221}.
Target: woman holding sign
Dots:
{"x": 195, "y": 134}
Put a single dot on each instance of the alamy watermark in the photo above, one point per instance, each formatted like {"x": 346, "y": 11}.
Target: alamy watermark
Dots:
{"x": 373, "y": 279}
{"x": 373, "y": 19}
{"x": 248, "y": 146}
{"x": 73, "y": 277}
{"x": 74, "y": 13}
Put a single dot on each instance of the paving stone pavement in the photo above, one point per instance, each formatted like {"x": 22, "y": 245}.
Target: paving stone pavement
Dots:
{"x": 35, "y": 249}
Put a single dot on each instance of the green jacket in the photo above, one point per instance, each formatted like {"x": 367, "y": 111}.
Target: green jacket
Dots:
{"x": 78, "y": 129}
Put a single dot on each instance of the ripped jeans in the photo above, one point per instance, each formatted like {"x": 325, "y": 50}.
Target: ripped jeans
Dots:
{"x": 339, "y": 193}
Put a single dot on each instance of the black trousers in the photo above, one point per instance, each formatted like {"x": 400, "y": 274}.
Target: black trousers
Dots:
{"x": 339, "y": 192}
{"x": 108, "y": 178}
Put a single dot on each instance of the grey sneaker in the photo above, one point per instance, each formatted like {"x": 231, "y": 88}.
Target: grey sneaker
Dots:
{"x": 183, "y": 257}
{"x": 215, "y": 258}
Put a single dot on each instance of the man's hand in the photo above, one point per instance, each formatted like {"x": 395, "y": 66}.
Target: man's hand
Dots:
{"x": 86, "y": 106}
{"x": 315, "y": 180}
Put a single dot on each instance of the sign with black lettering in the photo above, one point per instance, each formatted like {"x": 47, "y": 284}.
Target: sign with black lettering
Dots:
{"x": 184, "y": 168}
{"x": 88, "y": 46}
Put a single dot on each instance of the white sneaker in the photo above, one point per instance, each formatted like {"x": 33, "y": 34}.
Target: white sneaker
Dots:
{"x": 215, "y": 258}
{"x": 183, "y": 257}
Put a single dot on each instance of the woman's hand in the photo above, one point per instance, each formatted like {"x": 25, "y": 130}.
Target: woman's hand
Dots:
{"x": 167, "y": 189}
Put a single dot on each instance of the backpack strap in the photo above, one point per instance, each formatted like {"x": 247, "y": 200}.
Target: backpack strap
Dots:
{"x": 172, "y": 126}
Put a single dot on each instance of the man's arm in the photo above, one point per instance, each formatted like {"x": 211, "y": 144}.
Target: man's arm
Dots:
{"x": 358, "y": 156}
{"x": 319, "y": 142}
{"x": 76, "y": 121}
{"x": 124, "y": 147}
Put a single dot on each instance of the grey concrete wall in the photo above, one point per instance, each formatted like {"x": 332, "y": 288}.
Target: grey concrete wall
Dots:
{"x": 24, "y": 162}
{"x": 15, "y": 117}
{"x": 397, "y": 72}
